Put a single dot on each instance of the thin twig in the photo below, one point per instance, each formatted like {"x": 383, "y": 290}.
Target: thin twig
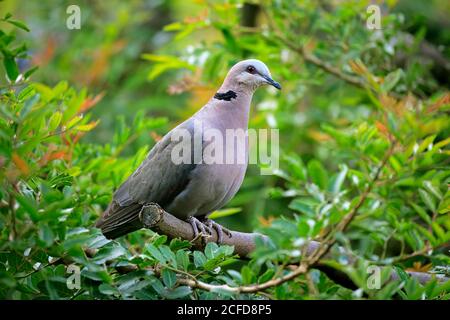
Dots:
{"x": 311, "y": 58}
{"x": 345, "y": 222}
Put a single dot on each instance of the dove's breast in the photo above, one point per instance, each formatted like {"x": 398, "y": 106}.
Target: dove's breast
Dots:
{"x": 219, "y": 176}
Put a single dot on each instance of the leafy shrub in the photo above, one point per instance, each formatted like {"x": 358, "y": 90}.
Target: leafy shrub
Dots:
{"x": 364, "y": 164}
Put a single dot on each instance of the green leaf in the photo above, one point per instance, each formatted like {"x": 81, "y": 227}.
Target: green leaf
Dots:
{"x": 439, "y": 231}
{"x": 296, "y": 166}
{"x": 178, "y": 244}
{"x": 164, "y": 63}
{"x": 19, "y": 24}
{"x": 12, "y": 70}
{"x": 169, "y": 277}
{"x": 224, "y": 213}
{"x": 108, "y": 253}
{"x": 427, "y": 234}
{"x": 54, "y": 121}
{"x": 177, "y": 293}
{"x": 160, "y": 240}
{"x": 108, "y": 289}
{"x": 303, "y": 228}
{"x": 183, "y": 259}
{"x": 433, "y": 189}
{"x": 426, "y": 143}
{"x": 247, "y": 275}
{"x": 168, "y": 255}
{"x": 226, "y": 250}
{"x": 230, "y": 41}
{"x": 158, "y": 286}
{"x": 199, "y": 259}
{"x": 427, "y": 199}
{"x": 46, "y": 234}
{"x": 175, "y": 26}
{"x": 155, "y": 253}
{"x": 74, "y": 121}
{"x": 29, "y": 205}
{"x": 211, "y": 250}
{"x": 317, "y": 173}
{"x": 401, "y": 273}
{"x": 444, "y": 206}
{"x": 391, "y": 80}
{"x": 339, "y": 180}
{"x": 304, "y": 205}
{"x": 266, "y": 276}
{"x": 422, "y": 213}
{"x": 30, "y": 71}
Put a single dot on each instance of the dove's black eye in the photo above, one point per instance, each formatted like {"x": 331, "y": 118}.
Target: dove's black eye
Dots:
{"x": 251, "y": 69}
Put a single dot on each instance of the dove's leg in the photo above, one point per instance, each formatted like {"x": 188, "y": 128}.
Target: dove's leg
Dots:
{"x": 219, "y": 229}
{"x": 198, "y": 225}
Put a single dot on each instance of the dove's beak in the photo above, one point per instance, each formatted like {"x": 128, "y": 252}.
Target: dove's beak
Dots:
{"x": 272, "y": 82}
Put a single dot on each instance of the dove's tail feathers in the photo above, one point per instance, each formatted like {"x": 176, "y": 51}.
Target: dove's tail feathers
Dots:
{"x": 117, "y": 221}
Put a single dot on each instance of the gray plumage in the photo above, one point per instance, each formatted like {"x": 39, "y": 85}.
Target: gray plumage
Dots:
{"x": 190, "y": 190}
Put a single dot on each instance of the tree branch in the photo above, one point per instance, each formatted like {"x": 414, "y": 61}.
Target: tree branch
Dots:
{"x": 155, "y": 218}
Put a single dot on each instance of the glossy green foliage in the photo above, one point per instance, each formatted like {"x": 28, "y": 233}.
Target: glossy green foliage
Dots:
{"x": 350, "y": 118}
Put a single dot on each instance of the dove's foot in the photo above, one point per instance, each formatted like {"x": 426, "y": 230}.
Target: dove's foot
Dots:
{"x": 197, "y": 225}
{"x": 210, "y": 224}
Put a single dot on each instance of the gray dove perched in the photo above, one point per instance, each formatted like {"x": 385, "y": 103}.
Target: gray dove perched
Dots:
{"x": 193, "y": 190}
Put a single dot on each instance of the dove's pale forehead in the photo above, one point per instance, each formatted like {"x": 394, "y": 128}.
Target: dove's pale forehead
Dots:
{"x": 259, "y": 65}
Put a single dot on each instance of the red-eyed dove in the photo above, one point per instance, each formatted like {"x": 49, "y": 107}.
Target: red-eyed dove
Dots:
{"x": 193, "y": 189}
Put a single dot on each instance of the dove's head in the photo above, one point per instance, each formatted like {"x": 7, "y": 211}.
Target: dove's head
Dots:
{"x": 250, "y": 74}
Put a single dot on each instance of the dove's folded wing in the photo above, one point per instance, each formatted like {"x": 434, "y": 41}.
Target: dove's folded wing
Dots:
{"x": 158, "y": 179}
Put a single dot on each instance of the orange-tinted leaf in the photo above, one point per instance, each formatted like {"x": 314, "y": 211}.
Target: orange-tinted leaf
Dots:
{"x": 318, "y": 135}
{"x": 444, "y": 100}
{"x": 45, "y": 56}
{"x": 90, "y": 102}
{"x": 155, "y": 136}
{"x": 20, "y": 164}
{"x": 51, "y": 155}
{"x": 358, "y": 67}
{"x": 266, "y": 221}
{"x": 418, "y": 267}
{"x": 388, "y": 102}
{"x": 58, "y": 155}
{"x": 76, "y": 137}
{"x": 70, "y": 138}
{"x": 201, "y": 17}
{"x": 382, "y": 128}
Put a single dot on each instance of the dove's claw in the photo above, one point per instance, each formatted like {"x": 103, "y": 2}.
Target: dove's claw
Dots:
{"x": 197, "y": 226}
{"x": 219, "y": 229}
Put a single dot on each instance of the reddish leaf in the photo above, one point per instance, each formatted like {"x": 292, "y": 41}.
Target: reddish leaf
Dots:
{"x": 266, "y": 221}
{"x": 418, "y": 267}
{"x": 155, "y": 136}
{"x": 20, "y": 164}
{"x": 442, "y": 101}
{"x": 90, "y": 102}
{"x": 382, "y": 128}
{"x": 51, "y": 155}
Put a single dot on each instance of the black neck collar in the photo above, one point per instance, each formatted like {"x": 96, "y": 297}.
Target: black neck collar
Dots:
{"x": 227, "y": 96}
